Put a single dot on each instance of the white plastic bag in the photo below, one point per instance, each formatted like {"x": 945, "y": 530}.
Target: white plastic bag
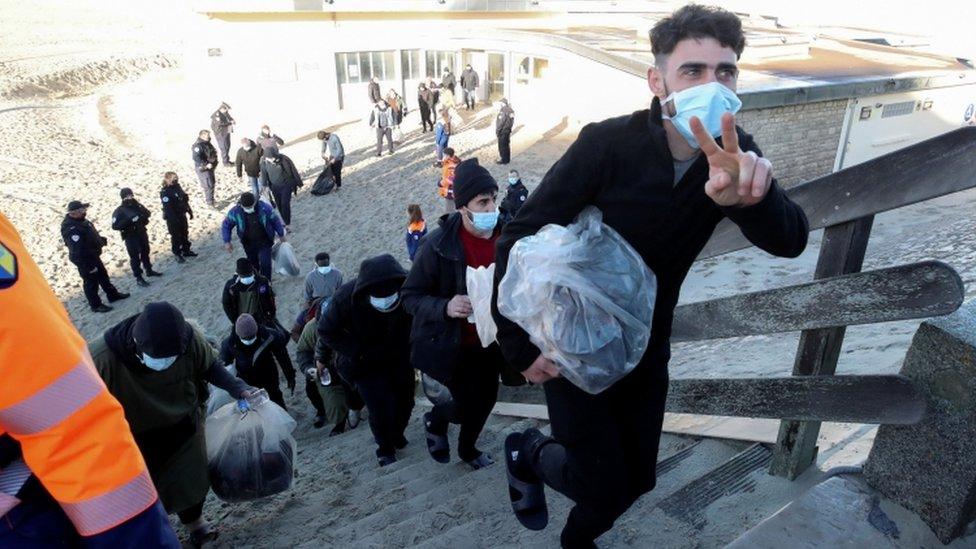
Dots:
{"x": 479, "y": 282}
{"x": 250, "y": 455}
{"x": 284, "y": 259}
{"x": 585, "y": 297}
{"x": 218, "y": 397}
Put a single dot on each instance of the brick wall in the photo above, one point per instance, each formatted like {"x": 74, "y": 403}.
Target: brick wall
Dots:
{"x": 800, "y": 140}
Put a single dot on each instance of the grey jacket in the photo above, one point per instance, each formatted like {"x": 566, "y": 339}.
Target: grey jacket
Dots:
{"x": 333, "y": 147}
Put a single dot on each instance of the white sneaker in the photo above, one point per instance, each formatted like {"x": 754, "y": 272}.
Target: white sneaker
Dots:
{"x": 353, "y": 419}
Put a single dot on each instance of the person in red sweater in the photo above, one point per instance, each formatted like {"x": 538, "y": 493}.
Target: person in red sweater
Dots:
{"x": 445, "y": 343}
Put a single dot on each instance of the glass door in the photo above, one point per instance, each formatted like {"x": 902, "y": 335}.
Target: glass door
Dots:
{"x": 496, "y": 76}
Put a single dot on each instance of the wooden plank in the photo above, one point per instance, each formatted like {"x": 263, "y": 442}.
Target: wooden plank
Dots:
{"x": 918, "y": 290}
{"x": 935, "y": 167}
{"x": 841, "y": 252}
{"x": 890, "y": 399}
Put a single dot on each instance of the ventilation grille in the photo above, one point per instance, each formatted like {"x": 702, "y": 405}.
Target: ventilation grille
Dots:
{"x": 898, "y": 109}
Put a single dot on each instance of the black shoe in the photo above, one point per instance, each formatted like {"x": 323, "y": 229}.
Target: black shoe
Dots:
{"x": 179, "y": 259}
{"x": 387, "y": 460}
{"x": 190, "y": 253}
{"x": 150, "y": 272}
{"x": 338, "y": 429}
{"x": 319, "y": 422}
{"x": 379, "y": 154}
{"x": 141, "y": 282}
{"x": 116, "y": 297}
{"x": 526, "y": 490}
{"x": 101, "y": 308}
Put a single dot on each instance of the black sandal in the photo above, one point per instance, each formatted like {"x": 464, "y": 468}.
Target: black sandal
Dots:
{"x": 528, "y": 497}
{"x": 437, "y": 445}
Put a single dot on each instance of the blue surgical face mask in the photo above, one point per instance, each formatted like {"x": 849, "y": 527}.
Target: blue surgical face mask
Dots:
{"x": 513, "y": 180}
{"x": 384, "y": 304}
{"x": 249, "y": 341}
{"x": 324, "y": 269}
{"x": 484, "y": 221}
{"x": 158, "y": 364}
{"x": 246, "y": 279}
{"x": 708, "y": 102}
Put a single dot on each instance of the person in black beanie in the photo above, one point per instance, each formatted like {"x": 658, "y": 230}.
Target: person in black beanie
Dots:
{"x": 445, "y": 343}
{"x": 130, "y": 219}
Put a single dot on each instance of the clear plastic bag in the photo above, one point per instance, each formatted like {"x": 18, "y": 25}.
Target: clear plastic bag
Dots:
{"x": 250, "y": 455}
{"x": 284, "y": 259}
{"x": 218, "y": 397}
{"x": 585, "y": 297}
{"x": 479, "y": 282}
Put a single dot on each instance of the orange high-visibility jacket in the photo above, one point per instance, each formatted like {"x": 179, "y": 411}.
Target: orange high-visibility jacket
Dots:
{"x": 72, "y": 432}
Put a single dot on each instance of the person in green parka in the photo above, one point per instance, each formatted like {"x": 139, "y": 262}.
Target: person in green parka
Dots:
{"x": 156, "y": 365}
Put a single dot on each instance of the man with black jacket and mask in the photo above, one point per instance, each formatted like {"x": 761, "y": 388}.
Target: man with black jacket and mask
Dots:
{"x": 130, "y": 219}
{"x": 176, "y": 208}
{"x": 368, "y": 328}
{"x": 504, "y": 122}
{"x": 248, "y": 162}
{"x": 257, "y": 352}
{"x": 249, "y": 292}
{"x": 85, "y": 250}
{"x": 445, "y": 343}
{"x": 205, "y": 162}
{"x": 279, "y": 174}
{"x": 155, "y": 364}
{"x": 222, "y": 124}
{"x": 663, "y": 183}
{"x": 515, "y": 195}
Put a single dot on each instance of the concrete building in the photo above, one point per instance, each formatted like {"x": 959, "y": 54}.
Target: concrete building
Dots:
{"x": 816, "y": 103}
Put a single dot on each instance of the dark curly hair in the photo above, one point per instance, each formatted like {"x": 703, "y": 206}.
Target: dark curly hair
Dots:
{"x": 697, "y": 21}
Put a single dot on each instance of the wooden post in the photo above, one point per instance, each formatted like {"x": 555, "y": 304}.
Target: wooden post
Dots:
{"x": 841, "y": 252}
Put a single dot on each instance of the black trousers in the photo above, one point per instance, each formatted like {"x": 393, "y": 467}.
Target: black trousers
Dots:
{"x": 474, "y": 389}
{"x": 389, "y": 396}
{"x": 605, "y": 452}
{"x": 223, "y": 143}
{"x": 137, "y": 246}
{"x": 282, "y": 196}
{"x": 260, "y": 257}
{"x": 179, "y": 234}
{"x": 505, "y": 147}
{"x": 92, "y": 280}
{"x": 267, "y": 381}
{"x": 426, "y": 118}
{"x": 312, "y": 392}
{"x": 337, "y": 172}
{"x": 380, "y": 134}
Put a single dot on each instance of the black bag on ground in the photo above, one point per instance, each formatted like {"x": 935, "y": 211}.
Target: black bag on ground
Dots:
{"x": 325, "y": 183}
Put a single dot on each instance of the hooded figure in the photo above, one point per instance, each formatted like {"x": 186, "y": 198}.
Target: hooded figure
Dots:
{"x": 278, "y": 172}
{"x": 157, "y": 366}
{"x": 370, "y": 331}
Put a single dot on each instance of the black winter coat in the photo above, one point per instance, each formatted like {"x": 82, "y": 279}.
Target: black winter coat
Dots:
{"x": 504, "y": 121}
{"x": 130, "y": 218}
{"x": 175, "y": 202}
{"x": 83, "y": 242}
{"x": 249, "y": 162}
{"x": 438, "y": 273}
{"x": 257, "y": 362}
{"x": 624, "y": 167}
{"x": 514, "y": 198}
{"x": 266, "y": 299}
{"x": 204, "y": 153}
{"x": 368, "y": 341}
{"x": 221, "y": 123}
{"x": 280, "y": 173}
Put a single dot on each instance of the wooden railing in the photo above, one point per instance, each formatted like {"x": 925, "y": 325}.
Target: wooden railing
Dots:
{"x": 844, "y": 205}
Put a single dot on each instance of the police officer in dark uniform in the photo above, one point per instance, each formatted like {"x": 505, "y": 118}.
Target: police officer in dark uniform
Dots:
{"x": 205, "y": 160}
{"x": 222, "y": 124}
{"x": 84, "y": 250}
{"x": 176, "y": 206}
{"x": 130, "y": 219}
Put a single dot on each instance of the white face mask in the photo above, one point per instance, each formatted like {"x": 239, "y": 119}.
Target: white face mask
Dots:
{"x": 248, "y": 147}
{"x": 326, "y": 269}
{"x": 246, "y": 279}
{"x": 157, "y": 364}
{"x": 249, "y": 341}
{"x": 384, "y": 304}
{"x": 247, "y": 209}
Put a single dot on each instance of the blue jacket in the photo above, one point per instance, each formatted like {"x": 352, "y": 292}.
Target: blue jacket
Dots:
{"x": 441, "y": 137}
{"x": 269, "y": 219}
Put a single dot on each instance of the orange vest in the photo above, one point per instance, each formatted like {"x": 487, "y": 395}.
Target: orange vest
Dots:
{"x": 72, "y": 432}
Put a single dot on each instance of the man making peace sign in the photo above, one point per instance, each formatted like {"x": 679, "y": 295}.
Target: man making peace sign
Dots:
{"x": 663, "y": 182}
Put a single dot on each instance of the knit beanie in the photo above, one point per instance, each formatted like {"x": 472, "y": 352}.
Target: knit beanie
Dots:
{"x": 244, "y": 267}
{"x": 161, "y": 331}
{"x": 470, "y": 180}
{"x": 246, "y": 327}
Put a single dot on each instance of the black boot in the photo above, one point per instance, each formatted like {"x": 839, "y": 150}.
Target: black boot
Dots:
{"x": 141, "y": 282}
{"x": 190, "y": 253}
{"x": 179, "y": 259}
{"x": 151, "y": 272}
{"x": 101, "y": 308}
{"x": 117, "y": 296}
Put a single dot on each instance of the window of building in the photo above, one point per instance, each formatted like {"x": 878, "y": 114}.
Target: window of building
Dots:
{"x": 437, "y": 61}
{"x": 410, "y": 64}
{"x": 531, "y": 68}
{"x": 540, "y": 67}
{"x": 355, "y": 67}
